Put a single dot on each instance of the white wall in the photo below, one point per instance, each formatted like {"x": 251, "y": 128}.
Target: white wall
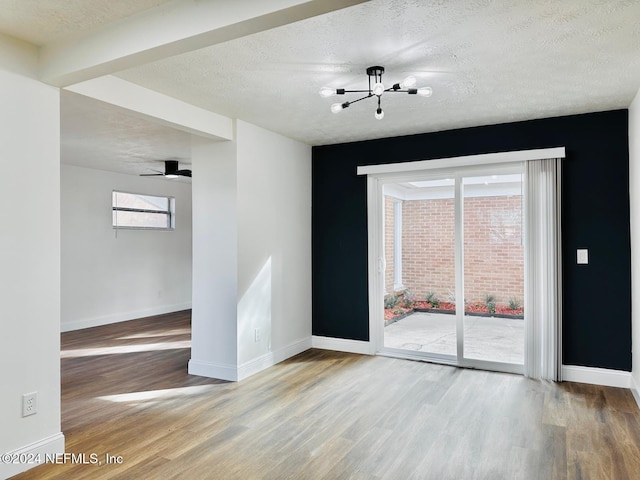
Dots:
{"x": 29, "y": 255}
{"x": 252, "y": 253}
{"x": 274, "y": 242}
{"x": 634, "y": 193}
{"x": 215, "y": 256}
{"x": 114, "y": 275}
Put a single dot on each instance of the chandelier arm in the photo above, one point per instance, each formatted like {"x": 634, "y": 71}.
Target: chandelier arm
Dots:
{"x": 362, "y": 98}
{"x": 357, "y": 91}
{"x": 368, "y": 91}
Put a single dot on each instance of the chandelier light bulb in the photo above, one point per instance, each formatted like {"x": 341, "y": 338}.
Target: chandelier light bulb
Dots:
{"x": 408, "y": 82}
{"x": 379, "y": 114}
{"x": 327, "y": 92}
{"x": 425, "y": 91}
{"x": 336, "y": 107}
{"x": 378, "y": 89}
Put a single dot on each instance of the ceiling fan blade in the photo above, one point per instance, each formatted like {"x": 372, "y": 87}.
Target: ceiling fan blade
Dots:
{"x": 170, "y": 170}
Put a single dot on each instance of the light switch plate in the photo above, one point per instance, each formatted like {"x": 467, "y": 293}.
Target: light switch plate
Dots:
{"x": 583, "y": 256}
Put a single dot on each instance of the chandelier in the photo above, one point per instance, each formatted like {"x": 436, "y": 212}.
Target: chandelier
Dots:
{"x": 376, "y": 89}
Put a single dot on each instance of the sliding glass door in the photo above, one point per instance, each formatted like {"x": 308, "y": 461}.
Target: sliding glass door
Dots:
{"x": 420, "y": 281}
{"x": 454, "y": 267}
{"x": 493, "y": 268}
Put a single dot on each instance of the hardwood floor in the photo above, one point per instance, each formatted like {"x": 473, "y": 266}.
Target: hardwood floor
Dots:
{"x": 326, "y": 415}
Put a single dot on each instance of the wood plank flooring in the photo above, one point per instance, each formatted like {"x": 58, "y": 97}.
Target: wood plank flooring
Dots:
{"x": 326, "y": 415}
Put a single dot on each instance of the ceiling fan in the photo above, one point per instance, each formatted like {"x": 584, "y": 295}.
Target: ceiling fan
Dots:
{"x": 170, "y": 171}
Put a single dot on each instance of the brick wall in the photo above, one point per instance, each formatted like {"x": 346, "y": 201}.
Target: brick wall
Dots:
{"x": 428, "y": 247}
{"x": 493, "y": 250}
{"x": 494, "y": 255}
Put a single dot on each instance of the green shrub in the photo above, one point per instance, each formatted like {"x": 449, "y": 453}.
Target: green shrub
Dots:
{"x": 433, "y": 299}
{"x": 489, "y": 298}
{"x": 408, "y": 299}
{"x": 390, "y": 301}
{"x": 491, "y": 307}
{"x": 490, "y": 303}
{"x": 514, "y": 303}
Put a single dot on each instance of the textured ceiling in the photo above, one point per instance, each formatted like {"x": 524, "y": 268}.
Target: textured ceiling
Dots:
{"x": 97, "y": 135}
{"x": 44, "y": 21}
{"x": 487, "y": 62}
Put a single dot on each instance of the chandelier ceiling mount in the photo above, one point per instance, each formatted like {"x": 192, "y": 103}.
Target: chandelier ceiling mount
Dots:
{"x": 376, "y": 89}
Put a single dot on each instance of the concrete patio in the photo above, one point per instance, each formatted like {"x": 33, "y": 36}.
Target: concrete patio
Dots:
{"x": 485, "y": 338}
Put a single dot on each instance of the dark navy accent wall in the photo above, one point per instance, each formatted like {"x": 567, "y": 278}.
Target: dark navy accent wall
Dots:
{"x": 595, "y": 215}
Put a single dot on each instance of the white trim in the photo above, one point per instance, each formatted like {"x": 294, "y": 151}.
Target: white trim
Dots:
{"x": 256, "y": 365}
{"x": 292, "y": 349}
{"x": 271, "y": 358}
{"x": 375, "y": 263}
{"x": 397, "y": 245}
{"x": 596, "y": 376}
{"x": 635, "y": 390}
{"x": 458, "y": 261}
{"x": 122, "y": 317}
{"x": 235, "y": 374}
{"x": 213, "y": 370}
{"x": 49, "y": 445}
{"x": 342, "y": 345}
{"x": 464, "y": 161}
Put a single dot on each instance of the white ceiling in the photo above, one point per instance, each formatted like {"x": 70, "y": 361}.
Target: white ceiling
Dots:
{"x": 101, "y": 136}
{"x": 487, "y": 61}
{"x": 44, "y": 21}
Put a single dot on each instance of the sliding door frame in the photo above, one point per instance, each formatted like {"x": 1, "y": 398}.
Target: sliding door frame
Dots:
{"x": 458, "y": 167}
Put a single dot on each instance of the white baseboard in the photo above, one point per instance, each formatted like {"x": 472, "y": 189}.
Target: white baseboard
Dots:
{"x": 213, "y": 370}
{"x": 596, "y": 376}
{"x": 635, "y": 390}
{"x": 47, "y": 446}
{"x": 122, "y": 317}
{"x": 269, "y": 359}
{"x": 291, "y": 350}
{"x": 341, "y": 345}
{"x": 236, "y": 373}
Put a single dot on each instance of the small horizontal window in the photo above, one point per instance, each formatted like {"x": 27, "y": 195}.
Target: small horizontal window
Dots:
{"x": 132, "y": 210}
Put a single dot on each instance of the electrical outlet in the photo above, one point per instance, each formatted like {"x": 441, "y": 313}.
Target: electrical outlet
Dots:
{"x": 29, "y": 404}
{"x": 256, "y": 335}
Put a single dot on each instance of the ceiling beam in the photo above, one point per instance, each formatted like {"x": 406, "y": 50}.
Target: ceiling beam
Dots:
{"x": 174, "y": 28}
{"x": 157, "y": 107}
